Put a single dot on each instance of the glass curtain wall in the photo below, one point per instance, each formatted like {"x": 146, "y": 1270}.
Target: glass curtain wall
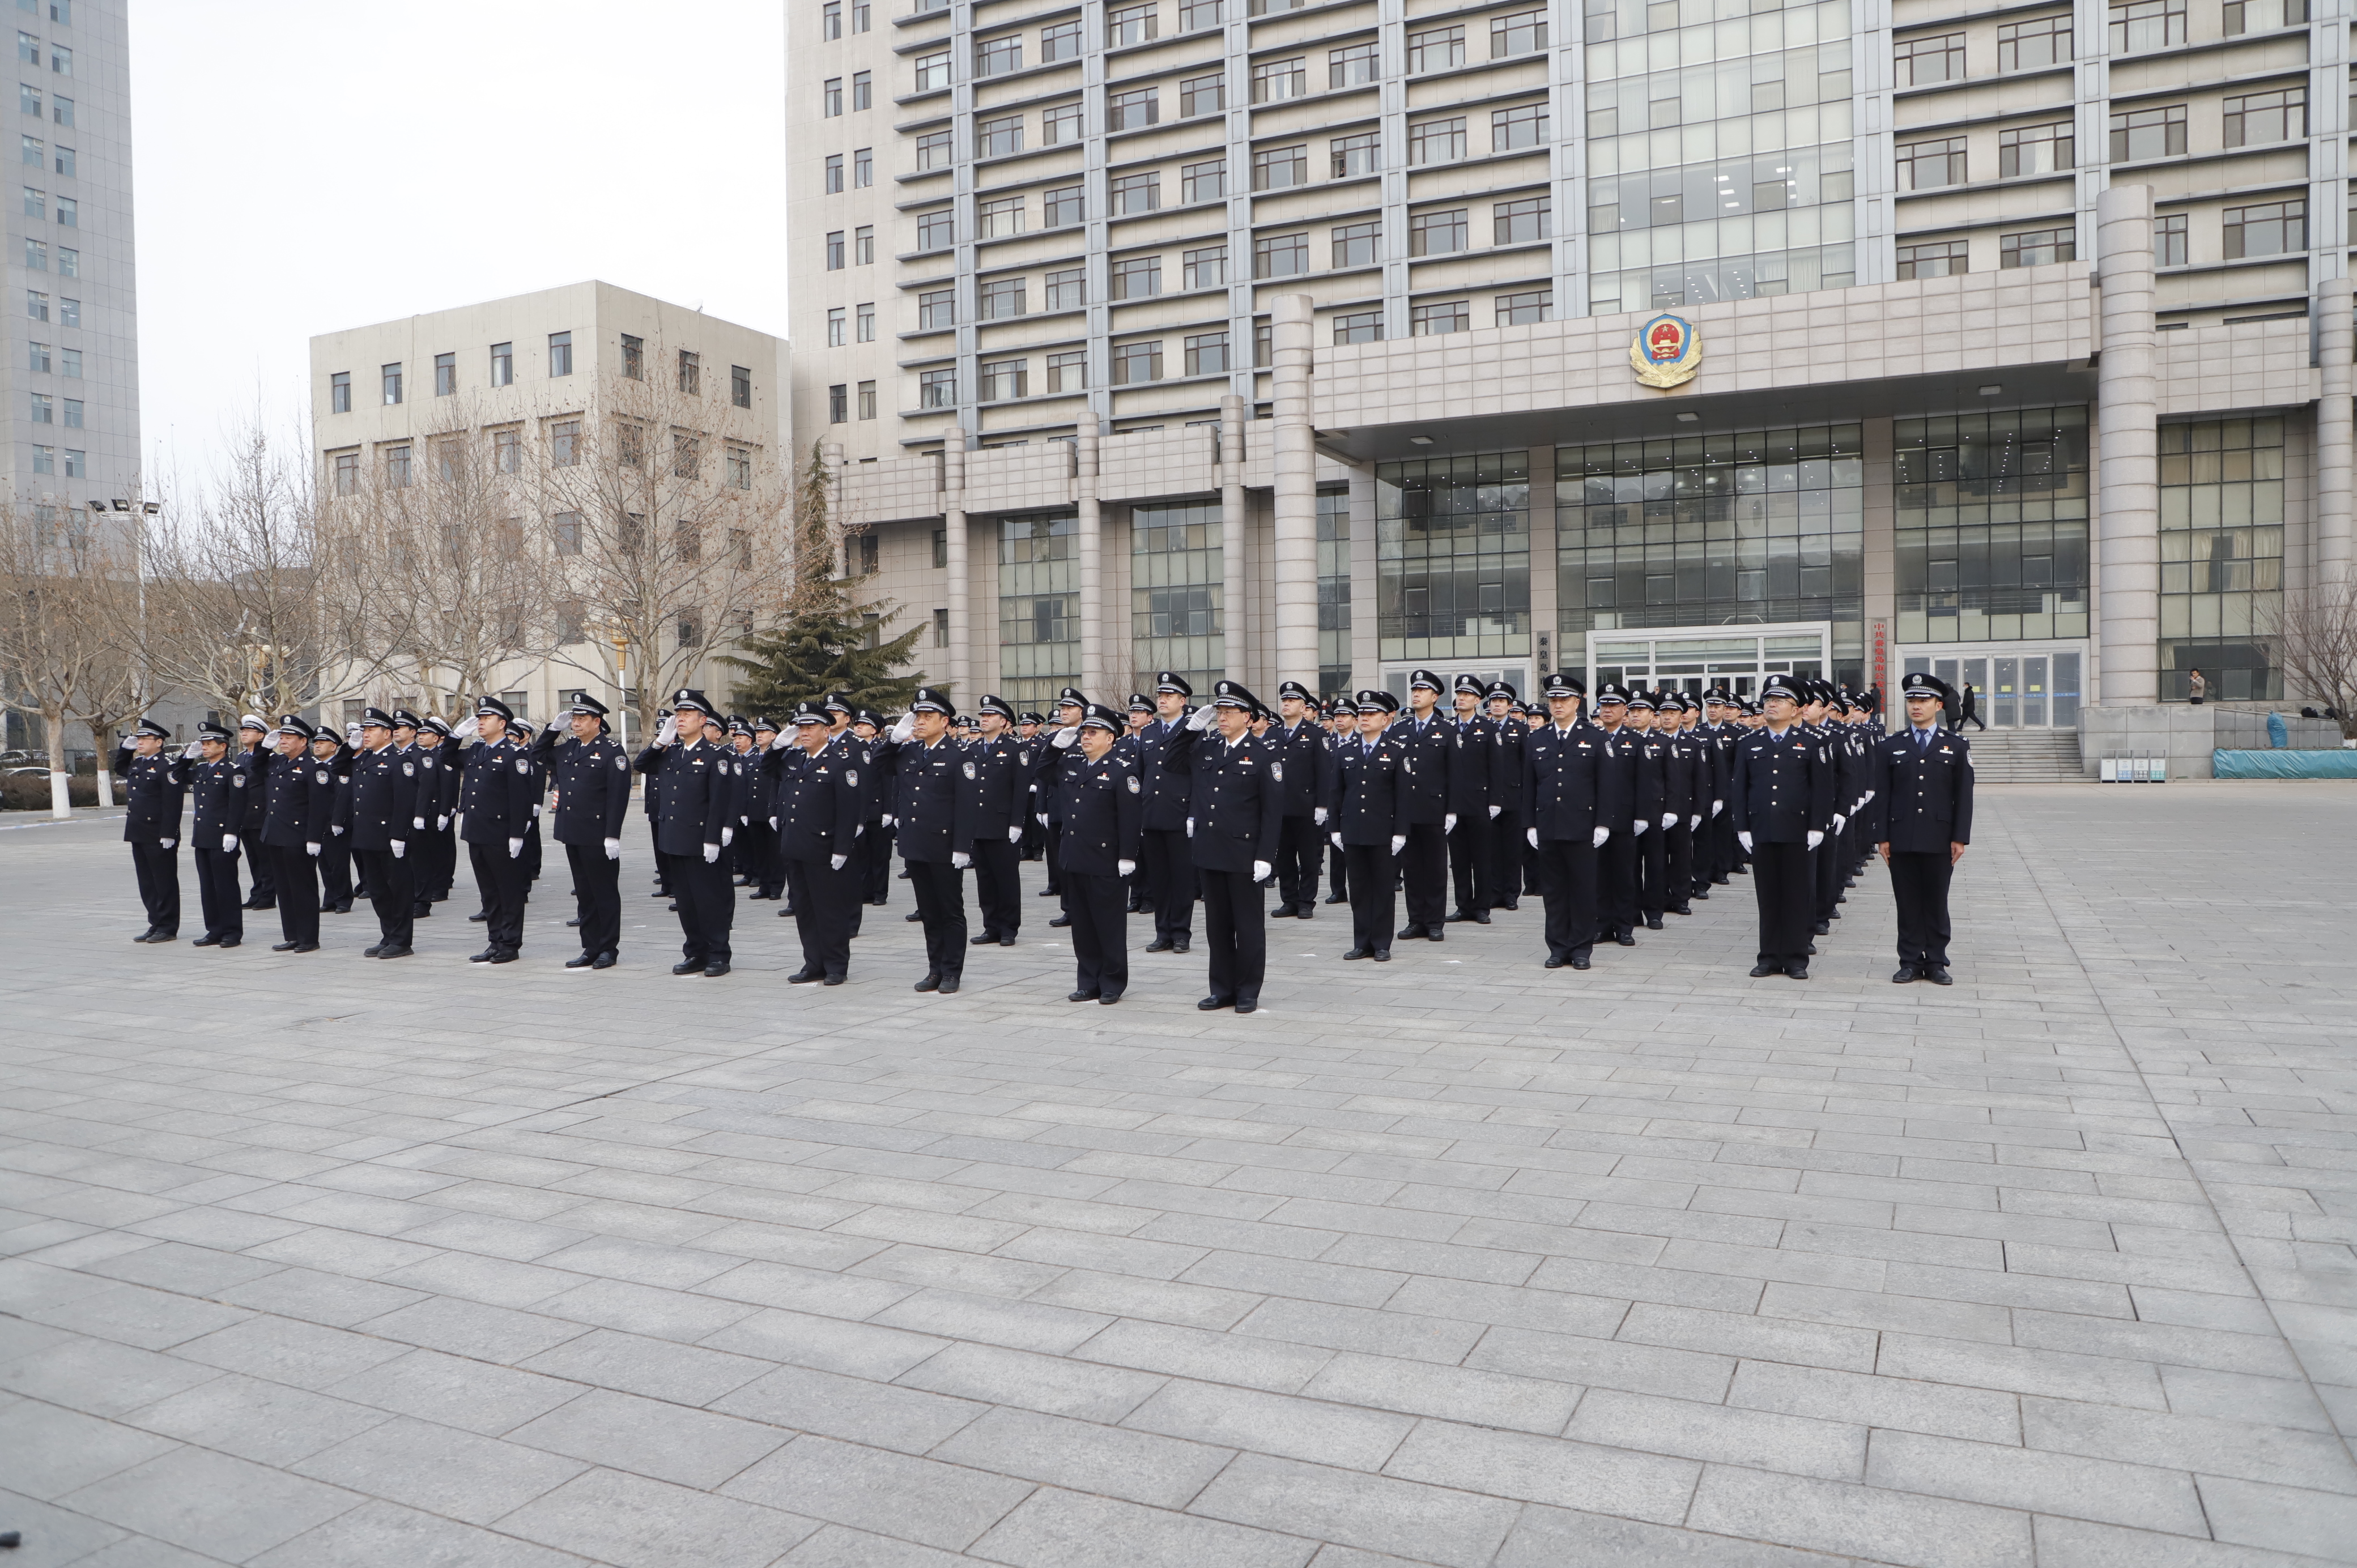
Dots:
{"x": 1453, "y": 556}
{"x": 1177, "y": 616}
{"x": 1333, "y": 590}
{"x": 2221, "y": 511}
{"x": 1991, "y": 519}
{"x": 1038, "y": 608}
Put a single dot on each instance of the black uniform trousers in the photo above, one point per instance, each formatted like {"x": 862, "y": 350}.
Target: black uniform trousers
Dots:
{"x": 1468, "y": 862}
{"x": 1299, "y": 840}
{"x": 1170, "y": 883}
{"x": 1616, "y": 884}
{"x": 825, "y": 900}
{"x": 261, "y": 864}
{"x": 1567, "y": 873}
{"x": 1919, "y": 885}
{"x": 531, "y": 856}
{"x": 297, "y": 886}
{"x": 1784, "y": 880}
{"x": 437, "y": 864}
{"x": 596, "y": 896}
{"x": 1054, "y": 832}
{"x": 393, "y": 894}
{"x": 1034, "y": 837}
{"x": 1098, "y": 907}
{"x": 158, "y": 871}
{"x": 1507, "y": 848}
{"x": 1829, "y": 873}
{"x": 217, "y": 894}
{"x": 335, "y": 872}
{"x": 1653, "y": 893}
{"x": 998, "y": 885}
{"x": 878, "y": 842}
{"x": 1678, "y": 854}
{"x": 1237, "y": 929}
{"x": 754, "y": 852}
{"x": 1424, "y": 868}
{"x": 1374, "y": 902}
{"x": 940, "y": 888}
{"x": 500, "y": 876}
{"x": 1338, "y": 872}
{"x": 707, "y": 905}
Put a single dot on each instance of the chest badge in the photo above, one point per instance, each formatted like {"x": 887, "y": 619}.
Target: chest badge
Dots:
{"x": 1277, "y": 771}
{"x": 238, "y": 779}
{"x": 969, "y": 769}
{"x": 1133, "y": 782}
{"x": 851, "y": 776}
{"x": 408, "y": 770}
{"x": 323, "y": 776}
{"x": 523, "y": 765}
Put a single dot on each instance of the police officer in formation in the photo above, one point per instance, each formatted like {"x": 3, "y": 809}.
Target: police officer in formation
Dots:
{"x": 1920, "y": 818}
{"x": 428, "y": 743}
{"x": 1000, "y": 769}
{"x": 933, "y": 811}
{"x": 335, "y": 858}
{"x": 257, "y": 743}
{"x": 382, "y": 807}
{"x": 693, "y": 777}
{"x": 592, "y": 773}
{"x": 1364, "y": 805}
{"x": 1235, "y": 800}
{"x": 219, "y": 780}
{"x": 1436, "y": 779}
{"x": 155, "y": 789}
{"x": 497, "y": 791}
{"x": 1566, "y": 777}
{"x": 1782, "y": 798}
{"x": 1170, "y": 866}
{"x": 1304, "y": 750}
{"x": 299, "y": 795}
{"x": 1099, "y": 801}
{"x": 817, "y": 791}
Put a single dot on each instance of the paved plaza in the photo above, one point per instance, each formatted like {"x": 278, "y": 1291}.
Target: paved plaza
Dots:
{"x": 322, "y": 1263}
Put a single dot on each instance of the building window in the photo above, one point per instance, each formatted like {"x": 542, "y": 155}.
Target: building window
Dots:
{"x": 1991, "y": 526}
{"x": 1280, "y": 256}
{"x": 1059, "y": 124}
{"x": 1130, "y": 25}
{"x": 502, "y": 364}
{"x": 2171, "y": 235}
{"x": 937, "y": 309}
{"x": 1069, "y": 371}
{"x": 566, "y": 528}
{"x": 1067, "y": 288}
{"x": 831, "y": 95}
{"x": 1278, "y": 168}
{"x": 936, "y": 230}
{"x": 1274, "y": 81}
{"x": 1440, "y": 315}
{"x": 564, "y": 443}
{"x": 867, "y": 409}
{"x": 937, "y": 389}
{"x": 2263, "y": 15}
{"x": 28, "y": 100}
{"x": 60, "y": 61}
{"x": 1004, "y": 379}
{"x": 2038, "y": 247}
{"x": 1039, "y": 607}
{"x": 65, "y": 160}
{"x": 61, "y": 112}
{"x": 69, "y": 214}
{"x": 940, "y": 626}
{"x": 1523, "y": 309}
{"x": 1521, "y": 222}
{"x": 830, "y": 25}
{"x": 36, "y": 203}
{"x": 1357, "y": 66}
{"x": 1441, "y": 48}
{"x": 445, "y": 375}
{"x": 629, "y": 444}
{"x": 1453, "y": 556}
{"x": 686, "y": 456}
{"x": 838, "y": 326}
{"x": 834, "y": 173}
{"x": 36, "y": 255}
{"x": 1137, "y": 277}
{"x": 2254, "y": 119}
{"x": 2268, "y": 229}
{"x": 28, "y": 49}
{"x": 77, "y": 464}
{"x": 741, "y": 378}
{"x": 69, "y": 263}
{"x": 1437, "y": 140}
{"x": 2037, "y": 149}
{"x": 1062, "y": 42}
{"x": 560, "y": 353}
{"x": 1176, "y": 598}
{"x": 1526, "y": 125}
{"x": 838, "y": 404}
{"x": 835, "y": 257}
{"x": 1134, "y": 110}
{"x": 998, "y": 219}
{"x": 1520, "y": 33}
{"x": 2140, "y": 24}
{"x": 44, "y": 459}
{"x": 1358, "y": 327}
{"x": 35, "y": 152}
{"x": 863, "y": 89}
{"x": 1194, "y": 15}
{"x": 1063, "y": 207}
{"x": 348, "y": 473}
{"x": 634, "y": 357}
{"x": 396, "y": 466}
{"x": 1922, "y": 61}
{"x": 1355, "y": 156}
{"x": 1333, "y": 589}
{"x": 1136, "y": 193}
{"x": 862, "y": 245}
{"x": 72, "y": 408}
{"x": 932, "y": 72}
{"x": 860, "y": 15}
{"x": 507, "y": 450}
{"x": 2140, "y": 134}
{"x": 1437, "y": 233}
{"x": 1202, "y": 96}
{"x": 1939, "y": 258}
{"x": 1207, "y": 354}
{"x": 1358, "y": 244}
{"x": 1138, "y": 362}
{"x": 2222, "y": 528}
{"x": 1931, "y": 166}
{"x": 998, "y": 137}
{"x": 43, "y": 410}
{"x": 1001, "y": 298}
{"x": 995, "y": 57}
{"x": 934, "y": 150}
{"x": 68, "y": 312}
{"x": 37, "y": 357}
{"x": 389, "y": 378}
{"x": 69, "y": 364}
{"x": 37, "y": 304}
{"x": 2031, "y": 45}
{"x": 1203, "y": 181}
{"x": 340, "y": 392}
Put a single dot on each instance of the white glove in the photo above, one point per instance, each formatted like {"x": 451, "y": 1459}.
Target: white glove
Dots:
{"x": 229, "y": 843}
{"x": 466, "y": 728}
{"x": 777, "y": 741}
{"x": 613, "y": 849}
{"x": 905, "y": 728}
{"x": 419, "y": 824}
{"x": 441, "y": 823}
{"x": 1043, "y": 818}
{"x": 1693, "y": 821}
{"x": 1064, "y": 737}
{"x": 1125, "y": 868}
{"x": 1448, "y": 823}
{"x": 1399, "y": 842}
{"x": 1838, "y": 820}
{"x": 515, "y": 848}
{"x": 838, "y": 861}
{"x": 1319, "y": 816}
{"x": 400, "y": 847}
{"x": 889, "y": 821}
{"x": 1015, "y": 833}
{"x": 1745, "y": 840}
{"x": 1190, "y": 827}
{"x": 711, "y": 854}
{"x": 1494, "y": 810}
{"x": 668, "y": 734}
{"x": 1640, "y": 825}
{"x": 1261, "y": 870}
{"x": 1717, "y": 806}
{"x": 173, "y": 844}
{"x": 1201, "y": 719}
{"x": 727, "y": 835}
{"x": 1669, "y": 819}
{"x": 1601, "y": 834}
{"x": 337, "y": 831}
{"x": 310, "y": 849}
{"x": 1532, "y": 834}
{"x": 191, "y": 751}
{"x": 1815, "y": 838}
{"x": 959, "y": 860}
{"x": 773, "y": 825}
{"x": 1338, "y": 841}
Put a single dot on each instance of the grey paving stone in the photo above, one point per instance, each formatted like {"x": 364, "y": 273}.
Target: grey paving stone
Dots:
{"x": 287, "y": 1350}
{"x": 135, "y": 1316}
{"x": 651, "y": 1438}
{"x": 332, "y": 1299}
{"x": 1830, "y": 1449}
{"x": 386, "y": 1535}
{"x": 1326, "y": 1434}
{"x": 2280, "y": 1519}
{"x": 1460, "y": 1393}
{"x": 2039, "y": 1481}
{"x": 212, "y": 1503}
{"x": 834, "y": 1546}
{"x": 473, "y": 1329}
{"x": 1640, "y": 1369}
{"x": 97, "y": 1375}
{"x": 1046, "y": 1383}
{"x": 862, "y": 1350}
{"x": 267, "y": 1423}
{"x": 474, "y": 1396}
{"x": 440, "y": 1470}
{"x": 932, "y": 1503}
{"x": 1459, "y": 1528}
{"x": 1549, "y": 1538}
{"x": 1865, "y": 1521}
{"x": 1084, "y": 1456}
{"x": 856, "y": 1410}
{"x": 635, "y": 1522}
{"x": 46, "y": 1451}
{"x": 56, "y": 1536}
{"x": 1055, "y": 1528}
{"x": 685, "y": 1374}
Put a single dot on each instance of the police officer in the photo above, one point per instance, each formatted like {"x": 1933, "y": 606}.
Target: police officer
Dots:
{"x": 335, "y": 860}
{"x": 1047, "y": 806}
{"x": 1686, "y": 802}
{"x": 593, "y": 799}
{"x": 1367, "y": 821}
{"x": 933, "y": 808}
{"x": 750, "y": 819}
{"x": 155, "y": 789}
{"x": 497, "y": 788}
{"x": 998, "y": 769}
{"x": 259, "y": 744}
{"x": 219, "y": 784}
{"x": 1660, "y": 805}
{"x": 1615, "y": 806}
{"x": 756, "y": 840}
{"x": 1342, "y": 717}
{"x": 1169, "y": 867}
{"x": 1781, "y": 800}
{"x": 1505, "y": 847}
{"x": 691, "y": 773}
{"x": 1468, "y": 840}
{"x": 1565, "y": 775}
{"x": 1435, "y": 777}
{"x": 438, "y": 760}
{"x": 297, "y": 794}
{"x": 817, "y": 789}
{"x": 1235, "y": 800}
{"x": 1920, "y": 816}
{"x": 381, "y": 805}
{"x": 1090, "y": 782}
{"x": 1304, "y": 749}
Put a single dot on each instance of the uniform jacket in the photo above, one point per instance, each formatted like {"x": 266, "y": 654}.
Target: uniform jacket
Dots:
{"x": 155, "y": 789}
{"x": 1616, "y": 800}
{"x": 1476, "y": 762}
{"x": 1165, "y": 794}
{"x": 752, "y": 776}
{"x": 1922, "y": 799}
{"x": 1783, "y": 788}
{"x": 1686, "y": 785}
{"x": 1564, "y": 774}
{"x": 384, "y": 802}
{"x": 999, "y": 772}
{"x": 498, "y": 787}
{"x": 1306, "y": 753}
{"x": 298, "y": 797}
{"x": 257, "y": 764}
{"x": 592, "y": 787}
{"x": 439, "y": 797}
{"x": 221, "y": 790}
{"x": 932, "y": 800}
{"x": 1104, "y": 808}
{"x": 1507, "y": 739}
{"x": 694, "y": 791}
{"x": 1236, "y": 797}
{"x": 819, "y": 801}
{"x": 1364, "y": 791}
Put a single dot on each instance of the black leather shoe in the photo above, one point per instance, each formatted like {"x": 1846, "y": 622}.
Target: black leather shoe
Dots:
{"x": 1555, "y": 963}
{"x": 421, "y": 912}
{"x": 1483, "y": 918}
{"x": 1082, "y": 996}
{"x": 1160, "y": 944}
{"x": 1060, "y": 921}
{"x": 505, "y": 955}
{"x": 1408, "y": 933}
{"x": 575, "y": 923}
{"x": 805, "y": 976}
{"x": 1823, "y": 928}
{"x": 207, "y": 941}
{"x": 1282, "y": 912}
{"x": 343, "y": 907}
{"x": 581, "y": 961}
{"x": 1938, "y": 977}
{"x": 1652, "y": 922}
{"x": 372, "y": 951}
{"x": 1680, "y": 909}
{"x": 1579, "y": 960}
{"x": 147, "y": 935}
{"x": 1622, "y": 939}
{"x": 715, "y": 971}
{"x": 785, "y": 914}
{"x": 1435, "y": 934}
{"x": 1382, "y": 955}
{"x": 396, "y": 952}
{"x": 305, "y": 946}
{"x": 1798, "y": 970}
{"x": 1513, "y": 906}
{"x": 948, "y": 985}
{"x": 228, "y": 943}
{"x": 1700, "y": 893}
{"x": 1458, "y": 917}
{"x": 1903, "y": 975}
{"x": 1044, "y": 893}
{"x": 911, "y": 918}
{"x": 1242, "y": 1007}
{"x": 835, "y": 979}
{"x": 1812, "y": 950}
{"x": 274, "y": 947}
{"x": 1338, "y": 898}
{"x": 1213, "y": 1004}
{"x": 1304, "y": 912}
{"x": 1359, "y": 953}
{"x": 1763, "y": 969}
{"x": 688, "y": 966}
{"x": 606, "y": 961}
{"x": 1108, "y": 1001}
{"x": 931, "y": 983}
{"x": 987, "y": 939}
{"x": 1178, "y": 944}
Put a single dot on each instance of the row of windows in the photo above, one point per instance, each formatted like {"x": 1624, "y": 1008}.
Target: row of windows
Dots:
{"x": 1433, "y": 49}
{"x": 862, "y": 170}
{"x": 392, "y": 385}
{"x": 2256, "y": 229}
{"x": 830, "y": 18}
{"x": 36, "y": 258}
{"x": 451, "y": 456}
{"x": 28, "y": 101}
{"x": 2251, "y": 119}
{"x": 66, "y": 363}
{"x": 34, "y": 153}
{"x": 45, "y": 409}
{"x": 863, "y": 92}
{"x": 37, "y": 308}
{"x": 68, "y": 211}
{"x": 45, "y": 461}
{"x": 29, "y": 52}
{"x": 2133, "y": 27}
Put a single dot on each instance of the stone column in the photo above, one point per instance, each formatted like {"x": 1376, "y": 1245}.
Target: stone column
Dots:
{"x": 2329, "y": 529}
{"x": 2129, "y": 452}
{"x": 1294, "y": 560}
{"x": 1091, "y": 561}
{"x": 962, "y": 663}
{"x": 1879, "y": 550}
{"x": 1366, "y": 585}
{"x": 1235, "y": 542}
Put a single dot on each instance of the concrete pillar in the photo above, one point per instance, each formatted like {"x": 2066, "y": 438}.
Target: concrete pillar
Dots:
{"x": 962, "y": 663}
{"x": 1546, "y": 569}
{"x": 1294, "y": 526}
{"x": 1366, "y": 586}
{"x": 2128, "y": 451}
{"x": 1235, "y": 543}
{"x": 1092, "y": 554}
{"x": 2329, "y": 549}
{"x": 1878, "y": 552}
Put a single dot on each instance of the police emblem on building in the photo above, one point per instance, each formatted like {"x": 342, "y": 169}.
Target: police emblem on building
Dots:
{"x": 1666, "y": 352}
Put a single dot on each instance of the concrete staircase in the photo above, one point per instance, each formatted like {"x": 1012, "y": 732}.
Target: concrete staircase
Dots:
{"x": 2026, "y": 755}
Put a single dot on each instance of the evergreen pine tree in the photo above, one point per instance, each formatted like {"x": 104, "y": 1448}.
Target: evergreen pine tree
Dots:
{"x": 816, "y": 648}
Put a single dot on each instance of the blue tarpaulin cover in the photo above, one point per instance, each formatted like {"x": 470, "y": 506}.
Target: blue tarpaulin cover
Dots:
{"x": 2341, "y": 764}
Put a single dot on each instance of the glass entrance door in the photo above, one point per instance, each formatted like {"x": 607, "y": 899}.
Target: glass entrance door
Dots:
{"x": 1695, "y": 659}
{"x": 2028, "y": 690}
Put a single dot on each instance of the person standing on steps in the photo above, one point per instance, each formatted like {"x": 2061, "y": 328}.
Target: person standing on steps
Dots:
{"x": 1920, "y": 818}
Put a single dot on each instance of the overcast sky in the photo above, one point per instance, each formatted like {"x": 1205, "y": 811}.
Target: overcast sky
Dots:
{"x": 304, "y": 166}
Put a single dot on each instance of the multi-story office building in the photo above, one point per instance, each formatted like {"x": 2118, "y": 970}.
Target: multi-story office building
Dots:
{"x": 1293, "y": 340}
{"x": 619, "y": 435}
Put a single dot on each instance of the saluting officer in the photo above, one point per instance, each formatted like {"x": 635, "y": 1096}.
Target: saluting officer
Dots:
{"x": 933, "y": 808}
{"x": 816, "y": 789}
{"x": 1101, "y": 802}
{"x": 593, "y": 799}
{"x": 258, "y": 742}
{"x": 1170, "y": 866}
{"x": 297, "y": 794}
{"x": 380, "y": 805}
{"x": 689, "y": 770}
{"x": 1781, "y": 800}
{"x": 335, "y": 860}
{"x": 1564, "y": 774}
{"x": 1366, "y": 816}
{"x": 154, "y": 787}
{"x": 998, "y": 768}
{"x": 219, "y": 784}
{"x": 1235, "y": 799}
{"x": 497, "y": 788}
{"x": 1920, "y": 815}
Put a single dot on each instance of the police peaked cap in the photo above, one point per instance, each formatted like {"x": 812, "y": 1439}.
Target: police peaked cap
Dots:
{"x": 1563, "y": 683}
{"x": 1340, "y": 707}
{"x": 932, "y": 700}
{"x": 995, "y": 703}
{"x": 1170, "y": 681}
{"x": 209, "y": 730}
{"x": 586, "y": 703}
{"x": 810, "y": 711}
{"x": 1070, "y": 696}
{"x": 1293, "y": 689}
{"x": 687, "y": 700}
{"x": 1103, "y": 717}
{"x": 1031, "y": 719}
{"x": 1611, "y": 691}
{"x": 1501, "y": 689}
{"x": 763, "y": 723}
{"x": 149, "y": 727}
{"x": 1379, "y": 700}
{"x": 1720, "y": 695}
{"x": 490, "y": 707}
{"x": 1782, "y": 686}
{"x": 1233, "y": 694}
{"x": 403, "y": 719}
{"x": 439, "y": 726}
{"x": 293, "y": 724}
{"x": 1924, "y": 684}
{"x": 1139, "y": 703}
{"x": 255, "y": 723}
{"x": 375, "y": 718}
{"x": 1641, "y": 698}
{"x": 1425, "y": 679}
{"x": 1470, "y": 685}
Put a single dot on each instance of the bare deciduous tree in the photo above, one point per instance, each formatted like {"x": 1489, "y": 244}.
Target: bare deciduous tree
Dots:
{"x": 2316, "y": 641}
{"x": 67, "y": 600}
